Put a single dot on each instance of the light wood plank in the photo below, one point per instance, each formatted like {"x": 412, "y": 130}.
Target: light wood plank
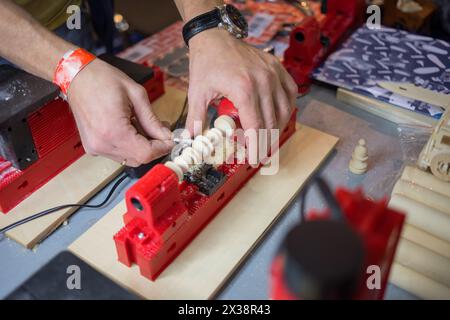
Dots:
{"x": 386, "y": 111}
{"x": 414, "y": 92}
{"x": 76, "y": 184}
{"x": 201, "y": 269}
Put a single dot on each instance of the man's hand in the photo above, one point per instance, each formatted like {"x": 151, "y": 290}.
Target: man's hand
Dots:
{"x": 104, "y": 101}
{"x": 102, "y": 98}
{"x": 256, "y": 82}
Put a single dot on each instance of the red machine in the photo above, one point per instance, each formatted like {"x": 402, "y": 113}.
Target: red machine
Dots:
{"x": 328, "y": 258}
{"x": 39, "y": 137}
{"x": 163, "y": 215}
{"x": 310, "y": 43}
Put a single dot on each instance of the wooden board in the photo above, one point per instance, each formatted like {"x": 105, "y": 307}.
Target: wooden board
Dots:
{"x": 76, "y": 184}
{"x": 202, "y": 268}
{"x": 414, "y": 92}
{"x": 384, "y": 110}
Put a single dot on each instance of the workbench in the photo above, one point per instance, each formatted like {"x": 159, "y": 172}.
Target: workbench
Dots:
{"x": 319, "y": 109}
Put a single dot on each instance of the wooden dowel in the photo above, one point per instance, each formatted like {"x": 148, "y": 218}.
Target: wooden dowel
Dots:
{"x": 423, "y": 195}
{"x": 419, "y": 215}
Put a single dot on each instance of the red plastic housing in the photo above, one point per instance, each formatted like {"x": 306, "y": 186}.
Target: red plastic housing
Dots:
{"x": 57, "y": 144}
{"x": 307, "y": 45}
{"x": 163, "y": 216}
{"x": 380, "y": 229}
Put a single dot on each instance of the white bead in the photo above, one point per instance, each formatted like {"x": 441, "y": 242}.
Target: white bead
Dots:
{"x": 175, "y": 168}
{"x": 223, "y": 152}
{"x": 225, "y": 124}
{"x": 190, "y": 153}
{"x": 187, "y": 159}
{"x": 182, "y": 163}
{"x": 207, "y": 142}
{"x": 215, "y": 136}
{"x": 203, "y": 145}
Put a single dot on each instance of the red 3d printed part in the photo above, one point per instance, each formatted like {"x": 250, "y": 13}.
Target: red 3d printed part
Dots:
{"x": 48, "y": 124}
{"x": 311, "y": 42}
{"x": 163, "y": 215}
{"x": 377, "y": 227}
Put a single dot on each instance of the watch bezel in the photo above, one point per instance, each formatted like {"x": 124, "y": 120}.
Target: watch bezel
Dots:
{"x": 228, "y": 23}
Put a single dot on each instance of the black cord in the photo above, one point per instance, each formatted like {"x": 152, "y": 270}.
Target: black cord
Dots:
{"x": 326, "y": 193}
{"x": 302, "y": 204}
{"x": 65, "y": 206}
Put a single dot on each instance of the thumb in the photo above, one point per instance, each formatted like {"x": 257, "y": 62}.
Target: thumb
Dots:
{"x": 147, "y": 119}
{"x": 141, "y": 150}
{"x": 198, "y": 106}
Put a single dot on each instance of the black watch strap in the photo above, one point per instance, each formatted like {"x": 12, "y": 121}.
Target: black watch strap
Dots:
{"x": 201, "y": 23}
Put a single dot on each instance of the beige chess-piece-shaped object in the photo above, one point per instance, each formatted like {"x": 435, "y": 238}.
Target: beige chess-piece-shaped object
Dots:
{"x": 358, "y": 164}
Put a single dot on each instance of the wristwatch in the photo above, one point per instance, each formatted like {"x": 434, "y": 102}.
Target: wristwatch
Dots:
{"x": 225, "y": 17}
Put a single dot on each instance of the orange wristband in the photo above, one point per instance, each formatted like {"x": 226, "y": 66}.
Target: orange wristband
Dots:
{"x": 69, "y": 66}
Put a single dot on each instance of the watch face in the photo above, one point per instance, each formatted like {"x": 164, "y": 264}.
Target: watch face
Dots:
{"x": 236, "y": 18}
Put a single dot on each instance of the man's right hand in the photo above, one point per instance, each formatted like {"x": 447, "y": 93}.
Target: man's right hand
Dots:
{"x": 104, "y": 100}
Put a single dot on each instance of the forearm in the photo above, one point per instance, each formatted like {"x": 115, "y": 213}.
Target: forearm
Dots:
{"x": 26, "y": 43}
{"x": 190, "y": 9}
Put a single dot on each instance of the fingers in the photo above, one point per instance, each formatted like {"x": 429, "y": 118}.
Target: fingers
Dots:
{"x": 267, "y": 106}
{"x": 147, "y": 119}
{"x": 196, "y": 117}
{"x": 143, "y": 150}
{"x": 126, "y": 144}
{"x": 283, "y": 105}
{"x": 137, "y": 149}
{"x": 289, "y": 85}
{"x": 107, "y": 130}
{"x": 268, "y": 112}
{"x": 149, "y": 150}
{"x": 265, "y": 98}
{"x": 121, "y": 160}
{"x": 247, "y": 103}
{"x": 285, "y": 94}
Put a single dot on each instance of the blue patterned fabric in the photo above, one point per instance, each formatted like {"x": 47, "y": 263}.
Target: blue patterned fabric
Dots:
{"x": 369, "y": 56}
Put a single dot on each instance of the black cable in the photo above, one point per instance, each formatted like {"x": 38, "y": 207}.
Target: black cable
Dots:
{"x": 65, "y": 206}
{"x": 330, "y": 199}
{"x": 326, "y": 193}
{"x": 302, "y": 204}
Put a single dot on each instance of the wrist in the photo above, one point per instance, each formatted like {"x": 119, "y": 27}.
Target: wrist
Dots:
{"x": 193, "y": 9}
{"x": 225, "y": 17}
{"x": 214, "y": 34}
{"x": 70, "y": 65}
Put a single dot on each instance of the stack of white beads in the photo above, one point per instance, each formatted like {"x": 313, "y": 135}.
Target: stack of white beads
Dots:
{"x": 204, "y": 147}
